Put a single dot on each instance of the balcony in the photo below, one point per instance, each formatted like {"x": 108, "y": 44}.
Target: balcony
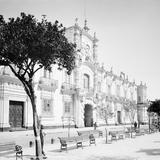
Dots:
{"x": 48, "y": 84}
{"x": 10, "y": 79}
{"x": 68, "y": 88}
{"x": 87, "y": 92}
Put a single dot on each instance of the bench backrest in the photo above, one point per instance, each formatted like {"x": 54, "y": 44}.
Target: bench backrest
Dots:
{"x": 66, "y": 139}
{"x": 7, "y": 146}
{"x": 80, "y": 133}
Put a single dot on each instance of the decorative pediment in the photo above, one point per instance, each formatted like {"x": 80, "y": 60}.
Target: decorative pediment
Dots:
{"x": 88, "y": 93}
{"x": 90, "y": 65}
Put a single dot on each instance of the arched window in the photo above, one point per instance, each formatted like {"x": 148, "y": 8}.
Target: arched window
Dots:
{"x": 86, "y": 81}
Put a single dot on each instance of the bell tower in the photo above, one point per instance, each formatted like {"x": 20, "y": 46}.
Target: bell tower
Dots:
{"x": 142, "y": 103}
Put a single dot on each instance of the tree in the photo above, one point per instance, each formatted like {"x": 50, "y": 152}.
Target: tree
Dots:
{"x": 105, "y": 113}
{"x": 131, "y": 109}
{"x": 154, "y": 107}
{"x": 28, "y": 45}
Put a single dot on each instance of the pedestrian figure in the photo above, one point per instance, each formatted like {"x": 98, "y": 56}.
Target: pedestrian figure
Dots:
{"x": 42, "y": 134}
{"x": 135, "y": 125}
{"x": 95, "y": 125}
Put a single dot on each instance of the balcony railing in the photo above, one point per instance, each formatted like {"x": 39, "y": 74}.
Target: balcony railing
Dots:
{"x": 68, "y": 88}
{"x": 48, "y": 84}
{"x": 87, "y": 92}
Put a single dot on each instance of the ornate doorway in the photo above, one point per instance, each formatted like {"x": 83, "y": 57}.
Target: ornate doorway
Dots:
{"x": 16, "y": 114}
{"x": 88, "y": 116}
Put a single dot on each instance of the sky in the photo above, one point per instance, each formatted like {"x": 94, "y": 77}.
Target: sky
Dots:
{"x": 128, "y": 32}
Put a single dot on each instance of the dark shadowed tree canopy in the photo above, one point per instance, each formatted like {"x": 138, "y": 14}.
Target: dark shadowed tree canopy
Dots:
{"x": 26, "y": 46}
{"x": 154, "y": 107}
{"x": 25, "y": 42}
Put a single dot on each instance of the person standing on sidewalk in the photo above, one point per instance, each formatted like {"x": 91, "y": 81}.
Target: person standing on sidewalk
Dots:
{"x": 135, "y": 125}
{"x": 42, "y": 134}
{"x": 95, "y": 125}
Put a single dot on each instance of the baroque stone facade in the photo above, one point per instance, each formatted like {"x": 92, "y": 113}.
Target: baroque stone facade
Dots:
{"x": 80, "y": 99}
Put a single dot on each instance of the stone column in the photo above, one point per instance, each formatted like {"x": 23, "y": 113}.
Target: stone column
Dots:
{"x": 4, "y": 113}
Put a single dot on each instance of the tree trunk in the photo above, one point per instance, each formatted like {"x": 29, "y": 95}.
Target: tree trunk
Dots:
{"x": 36, "y": 129}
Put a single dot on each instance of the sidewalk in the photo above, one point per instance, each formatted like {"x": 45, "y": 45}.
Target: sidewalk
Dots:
{"x": 145, "y": 147}
{"x": 24, "y": 137}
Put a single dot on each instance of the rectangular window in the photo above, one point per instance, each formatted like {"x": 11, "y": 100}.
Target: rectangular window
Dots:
{"x": 67, "y": 107}
{"x": 47, "y": 107}
{"x": 86, "y": 81}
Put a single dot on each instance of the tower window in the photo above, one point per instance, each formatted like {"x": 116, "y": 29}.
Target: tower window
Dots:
{"x": 86, "y": 81}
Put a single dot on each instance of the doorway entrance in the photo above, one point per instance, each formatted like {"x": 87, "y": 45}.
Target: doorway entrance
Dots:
{"x": 16, "y": 114}
{"x": 88, "y": 116}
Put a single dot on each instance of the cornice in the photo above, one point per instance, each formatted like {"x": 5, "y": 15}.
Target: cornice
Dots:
{"x": 90, "y": 65}
{"x": 9, "y": 79}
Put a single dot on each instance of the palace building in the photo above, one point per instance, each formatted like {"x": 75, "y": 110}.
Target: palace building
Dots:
{"x": 90, "y": 94}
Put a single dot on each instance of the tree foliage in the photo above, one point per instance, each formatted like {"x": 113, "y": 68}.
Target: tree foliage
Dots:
{"x": 105, "y": 113}
{"x": 25, "y": 42}
{"x": 29, "y": 45}
{"x": 131, "y": 109}
{"x": 154, "y": 107}
{"x": 26, "y": 46}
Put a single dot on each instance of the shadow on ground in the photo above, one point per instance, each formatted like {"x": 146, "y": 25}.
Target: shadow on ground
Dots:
{"x": 151, "y": 152}
{"x": 24, "y": 156}
{"x": 69, "y": 148}
{"x": 111, "y": 158}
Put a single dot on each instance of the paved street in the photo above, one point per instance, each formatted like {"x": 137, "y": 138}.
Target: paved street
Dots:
{"x": 145, "y": 147}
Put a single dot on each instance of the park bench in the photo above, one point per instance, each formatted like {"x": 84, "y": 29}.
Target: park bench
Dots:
{"x": 96, "y": 133}
{"x": 121, "y": 134}
{"x": 146, "y": 130}
{"x": 83, "y": 136}
{"x": 140, "y": 132}
{"x": 88, "y": 135}
{"x": 11, "y": 147}
{"x": 65, "y": 141}
{"x": 108, "y": 136}
{"x": 130, "y": 132}
{"x": 114, "y": 135}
